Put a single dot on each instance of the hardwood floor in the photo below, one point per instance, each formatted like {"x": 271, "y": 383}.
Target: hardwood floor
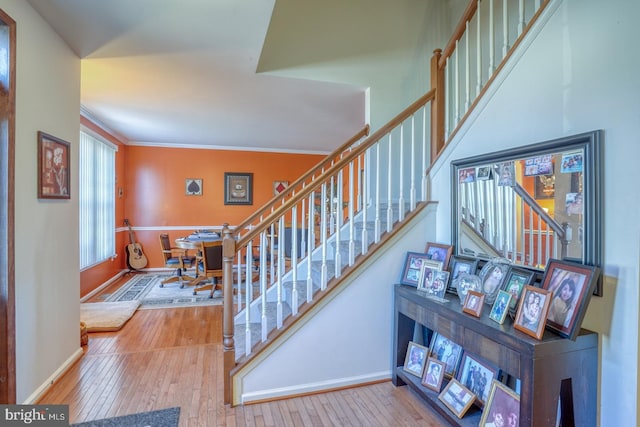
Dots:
{"x": 173, "y": 357}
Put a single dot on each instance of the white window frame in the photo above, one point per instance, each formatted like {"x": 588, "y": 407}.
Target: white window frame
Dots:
{"x": 97, "y": 200}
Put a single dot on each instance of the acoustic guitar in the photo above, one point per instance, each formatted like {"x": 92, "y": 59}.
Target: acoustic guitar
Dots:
{"x": 136, "y": 259}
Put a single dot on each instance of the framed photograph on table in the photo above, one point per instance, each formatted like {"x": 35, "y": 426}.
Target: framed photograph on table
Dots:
{"x": 492, "y": 276}
{"x": 476, "y": 374}
{"x": 411, "y": 273}
{"x": 473, "y": 303}
{"x": 238, "y": 188}
{"x": 502, "y": 408}
{"x": 572, "y": 285}
{"x": 460, "y": 264}
{"x": 457, "y": 398}
{"x": 447, "y": 351}
{"x": 500, "y": 307}
{"x": 415, "y": 359}
{"x": 433, "y": 374}
{"x": 517, "y": 279}
{"x": 53, "y": 167}
{"x": 439, "y": 252}
{"x": 532, "y": 311}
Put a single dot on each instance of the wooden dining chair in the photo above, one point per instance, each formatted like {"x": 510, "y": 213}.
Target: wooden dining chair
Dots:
{"x": 175, "y": 258}
{"x": 209, "y": 267}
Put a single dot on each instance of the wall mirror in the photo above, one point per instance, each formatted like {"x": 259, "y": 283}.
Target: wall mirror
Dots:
{"x": 531, "y": 203}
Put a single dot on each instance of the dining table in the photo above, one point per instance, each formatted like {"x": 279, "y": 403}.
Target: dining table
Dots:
{"x": 194, "y": 242}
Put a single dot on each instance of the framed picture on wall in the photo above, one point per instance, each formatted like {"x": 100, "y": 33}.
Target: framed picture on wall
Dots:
{"x": 238, "y": 188}
{"x": 193, "y": 187}
{"x": 53, "y": 167}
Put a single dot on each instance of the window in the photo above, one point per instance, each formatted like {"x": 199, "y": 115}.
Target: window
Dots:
{"x": 97, "y": 200}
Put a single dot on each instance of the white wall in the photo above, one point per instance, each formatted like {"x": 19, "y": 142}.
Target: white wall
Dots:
{"x": 350, "y": 340}
{"x": 581, "y": 74}
{"x": 47, "y": 285}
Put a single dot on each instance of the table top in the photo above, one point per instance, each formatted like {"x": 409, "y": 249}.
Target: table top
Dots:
{"x": 194, "y": 240}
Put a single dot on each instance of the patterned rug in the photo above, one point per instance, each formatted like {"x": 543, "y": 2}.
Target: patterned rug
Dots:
{"x": 146, "y": 288}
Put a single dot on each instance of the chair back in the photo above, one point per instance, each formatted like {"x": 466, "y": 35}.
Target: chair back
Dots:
{"x": 212, "y": 258}
{"x": 165, "y": 244}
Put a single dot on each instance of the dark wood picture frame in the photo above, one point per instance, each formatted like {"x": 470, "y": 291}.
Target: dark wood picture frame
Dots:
{"x": 412, "y": 271}
{"x": 473, "y": 303}
{"x": 531, "y": 316}
{"x": 445, "y": 350}
{"x": 567, "y": 309}
{"x": 476, "y": 374}
{"x": 54, "y": 167}
{"x": 517, "y": 278}
{"x": 439, "y": 252}
{"x": 238, "y": 188}
{"x": 460, "y": 264}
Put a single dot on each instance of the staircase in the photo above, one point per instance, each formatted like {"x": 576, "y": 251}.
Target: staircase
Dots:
{"x": 356, "y": 200}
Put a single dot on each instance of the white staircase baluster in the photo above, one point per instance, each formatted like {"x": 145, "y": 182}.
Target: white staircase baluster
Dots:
{"x": 294, "y": 259}
{"x": 539, "y": 260}
{"x": 310, "y": 242}
{"x": 423, "y": 170}
{"x": 401, "y": 175}
{"x": 505, "y": 28}
{"x": 352, "y": 232}
{"x": 378, "y": 221}
{"x": 521, "y": 21}
{"x": 456, "y": 88}
{"x": 365, "y": 237}
{"x": 323, "y": 228}
{"x": 492, "y": 42}
{"x": 303, "y": 235}
{"x": 280, "y": 258}
{"x": 531, "y": 237}
{"x": 412, "y": 188}
{"x": 338, "y": 210}
{"x": 478, "y": 52}
{"x": 467, "y": 69}
{"x": 389, "y": 204}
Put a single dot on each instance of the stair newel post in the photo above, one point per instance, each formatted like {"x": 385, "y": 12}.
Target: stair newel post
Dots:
{"x": 438, "y": 108}
{"x": 228, "y": 345}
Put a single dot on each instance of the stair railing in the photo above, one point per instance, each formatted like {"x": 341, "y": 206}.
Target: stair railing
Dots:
{"x": 486, "y": 36}
{"x": 279, "y": 258}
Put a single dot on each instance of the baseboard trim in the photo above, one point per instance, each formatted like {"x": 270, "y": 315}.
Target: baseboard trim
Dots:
{"x": 314, "y": 388}
{"x": 37, "y": 394}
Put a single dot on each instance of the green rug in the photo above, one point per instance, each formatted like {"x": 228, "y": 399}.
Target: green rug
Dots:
{"x": 162, "y": 418}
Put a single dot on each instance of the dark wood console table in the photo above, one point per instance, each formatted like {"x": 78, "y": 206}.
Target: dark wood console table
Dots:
{"x": 548, "y": 369}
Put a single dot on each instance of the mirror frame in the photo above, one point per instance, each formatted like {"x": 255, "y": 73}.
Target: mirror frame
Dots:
{"x": 591, "y": 144}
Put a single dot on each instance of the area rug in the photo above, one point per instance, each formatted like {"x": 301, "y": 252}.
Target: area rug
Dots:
{"x": 107, "y": 316}
{"x": 146, "y": 289}
{"x": 162, "y": 418}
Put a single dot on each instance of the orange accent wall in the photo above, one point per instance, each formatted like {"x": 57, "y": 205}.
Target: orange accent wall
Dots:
{"x": 153, "y": 179}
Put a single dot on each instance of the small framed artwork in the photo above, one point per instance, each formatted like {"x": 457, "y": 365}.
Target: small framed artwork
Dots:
{"x": 193, "y": 187}
{"x": 433, "y": 374}
{"x": 544, "y": 187}
{"x": 238, "y": 188}
{"x": 416, "y": 358}
{"x": 447, "y": 351}
{"x": 460, "y": 264}
{"x": 572, "y": 285}
{"x": 473, "y": 303}
{"x": 502, "y": 408}
{"x": 439, "y": 252}
{"x": 532, "y": 311}
{"x": 500, "y": 307}
{"x": 516, "y": 280}
{"x": 506, "y": 174}
{"x": 476, "y": 374}
{"x": 411, "y": 273}
{"x": 53, "y": 167}
{"x": 457, "y": 398}
{"x": 492, "y": 276}
{"x": 279, "y": 187}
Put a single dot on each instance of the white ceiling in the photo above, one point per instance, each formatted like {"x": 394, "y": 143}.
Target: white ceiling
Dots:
{"x": 183, "y": 73}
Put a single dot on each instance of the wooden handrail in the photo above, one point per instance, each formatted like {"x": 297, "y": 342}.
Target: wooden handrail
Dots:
{"x": 330, "y": 157}
{"x": 458, "y": 32}
{"x": 344, "y": 161}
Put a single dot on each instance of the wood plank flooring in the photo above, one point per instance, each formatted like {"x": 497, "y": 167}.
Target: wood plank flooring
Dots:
{"x": 173, "y": 357}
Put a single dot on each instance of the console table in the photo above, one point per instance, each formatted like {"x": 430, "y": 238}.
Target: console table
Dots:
{"x": 549, "y": 369}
